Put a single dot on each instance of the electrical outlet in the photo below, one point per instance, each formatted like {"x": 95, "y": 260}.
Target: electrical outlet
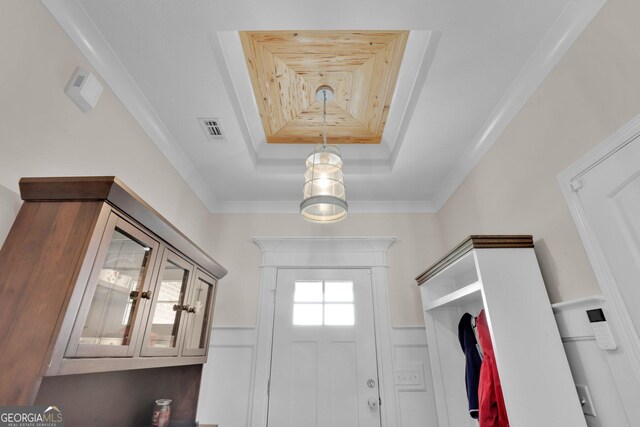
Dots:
{"x": 585, "y": 400}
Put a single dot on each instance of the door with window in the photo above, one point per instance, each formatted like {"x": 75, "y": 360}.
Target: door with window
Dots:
{"x": 323, "y": 364}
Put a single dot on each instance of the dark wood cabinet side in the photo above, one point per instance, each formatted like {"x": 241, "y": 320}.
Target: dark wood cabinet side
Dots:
{"x": 39, "y": 264}
{"x": 46, "y": 266}
{"x": 123, "y": 398}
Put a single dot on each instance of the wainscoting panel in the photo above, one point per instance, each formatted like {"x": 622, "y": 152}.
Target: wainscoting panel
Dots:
{"x": 227, "y": 385}
{"x": 226, "y": 390}
{"x": 608, "y": 375}
{"x": 413, "y": 385}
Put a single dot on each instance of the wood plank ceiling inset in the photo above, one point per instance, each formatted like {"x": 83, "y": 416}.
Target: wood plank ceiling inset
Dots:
{"x": 286, "y": 68}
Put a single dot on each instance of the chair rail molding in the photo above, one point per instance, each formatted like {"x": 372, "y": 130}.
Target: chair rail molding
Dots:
{"x": 323, "y": 252}
{"x": 570, "y": 183}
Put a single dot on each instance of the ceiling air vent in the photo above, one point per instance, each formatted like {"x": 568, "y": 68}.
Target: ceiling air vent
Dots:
{"x": 211, "y": 128}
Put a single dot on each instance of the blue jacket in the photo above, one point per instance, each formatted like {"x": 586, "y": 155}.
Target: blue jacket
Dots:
{"x": 473, "y": 362}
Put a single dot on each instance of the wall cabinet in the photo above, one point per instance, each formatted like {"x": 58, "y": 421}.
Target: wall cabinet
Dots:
{"x": 109, "y": 321}
{"x": 142, "y": 299}
{"x": 141, "y": 306}
{"x": 98, "y": 281}
{"x": 202, "y": 293}
{"x": 499, "y": 274}
{"x": 168, "y": 313}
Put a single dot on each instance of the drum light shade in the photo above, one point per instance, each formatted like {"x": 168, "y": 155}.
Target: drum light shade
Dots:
{"x": 324, "y": 195}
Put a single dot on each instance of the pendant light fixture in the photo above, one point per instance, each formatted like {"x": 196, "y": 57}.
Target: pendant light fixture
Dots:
{"x": 324, "y": 196}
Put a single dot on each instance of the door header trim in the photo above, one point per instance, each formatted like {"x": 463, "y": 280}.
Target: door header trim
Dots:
{"x": 334, "y": 252}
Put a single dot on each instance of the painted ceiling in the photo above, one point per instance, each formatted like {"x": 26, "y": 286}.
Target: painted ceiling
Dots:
{"x": 466, "y": 69}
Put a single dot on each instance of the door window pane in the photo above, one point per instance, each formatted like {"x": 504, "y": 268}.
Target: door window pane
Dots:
{"x": 308, "y": 292}
{"x": 338, "y": 291}
{"x": 114, "y": 303}
{"x": 339, "y": 314}
{"x": 329, "y": 303}
{"x": 307, "y": 314}
{"x": 167, "y": 312}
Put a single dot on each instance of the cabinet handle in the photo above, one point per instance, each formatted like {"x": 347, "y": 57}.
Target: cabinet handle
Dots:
{"x": 146, "y": 295}
{"x": 191, "y": 310}
{"x": 178, "y": 307}
{"x": 133, "y": 294}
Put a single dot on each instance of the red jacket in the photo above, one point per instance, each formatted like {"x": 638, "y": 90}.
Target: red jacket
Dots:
{"x": 492, "y": 410}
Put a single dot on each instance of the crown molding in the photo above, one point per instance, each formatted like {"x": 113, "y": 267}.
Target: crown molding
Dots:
{"x": 562, "y": 34}
{"x": 355, "y": 207}
{"x": 73, "y": 19}
{"x": 567, "y": 28}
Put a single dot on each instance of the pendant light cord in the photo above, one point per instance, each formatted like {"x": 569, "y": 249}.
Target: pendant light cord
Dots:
{"x": 324, "y": 119}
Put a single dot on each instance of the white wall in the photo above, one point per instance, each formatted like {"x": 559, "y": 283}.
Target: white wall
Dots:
{"x": 416, "y": 403}
{"x": 227, "y": 391}
{"x": 227, "y": 386}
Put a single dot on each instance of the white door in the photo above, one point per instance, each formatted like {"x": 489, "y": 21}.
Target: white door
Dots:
{"x": 605, "y": 204}
{"x": 610, "y": 197}
{"x": 323, "y": 365}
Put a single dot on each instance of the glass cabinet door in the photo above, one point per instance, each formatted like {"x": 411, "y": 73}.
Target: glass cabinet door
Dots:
{"x": 168, "y": 313}
{"x": 200, "y": 311}
{"x": 109, "y": 317}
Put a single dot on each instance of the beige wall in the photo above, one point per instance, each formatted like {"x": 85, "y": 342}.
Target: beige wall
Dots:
{"x": 43, "y": 133}
{"x": 417, "y": 245}
{"x": 592, "y": 92}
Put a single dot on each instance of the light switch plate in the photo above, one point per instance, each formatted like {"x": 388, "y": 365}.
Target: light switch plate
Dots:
{"x": 410, "y": 376}
{"x": 585, "y": 400}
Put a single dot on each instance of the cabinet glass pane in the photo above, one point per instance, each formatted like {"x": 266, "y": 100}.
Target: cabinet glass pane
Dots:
{"x": 201, "y": 304}
{"x": 168, "y": 308}
{"x": 115, "y": 300}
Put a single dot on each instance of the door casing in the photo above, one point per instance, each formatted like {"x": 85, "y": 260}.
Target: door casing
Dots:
{"x": 318, "y": 253}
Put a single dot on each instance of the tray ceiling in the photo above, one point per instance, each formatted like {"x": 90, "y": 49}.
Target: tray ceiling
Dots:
{"x": 287, "y": 67}
{"x": 468, "y": 67}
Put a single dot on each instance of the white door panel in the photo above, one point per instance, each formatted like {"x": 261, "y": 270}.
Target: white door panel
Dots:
{"x": 611, "y": 199}
{"x": 319, "y": 372}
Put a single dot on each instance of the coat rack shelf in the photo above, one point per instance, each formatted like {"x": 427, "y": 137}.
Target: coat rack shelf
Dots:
{"x": 499, "y": 274}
